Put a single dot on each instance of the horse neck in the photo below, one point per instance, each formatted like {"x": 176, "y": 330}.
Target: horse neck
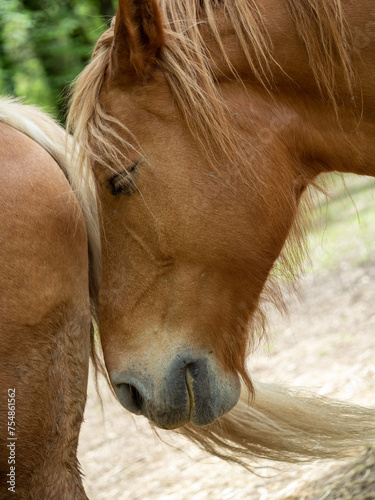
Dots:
{"x": 327, "y": 135}
{"x": 325, "y": 143}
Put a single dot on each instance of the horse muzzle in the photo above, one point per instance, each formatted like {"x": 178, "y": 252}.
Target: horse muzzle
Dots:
{"x": 190, "y": 390}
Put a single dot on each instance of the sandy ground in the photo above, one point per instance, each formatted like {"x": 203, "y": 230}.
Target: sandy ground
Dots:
{"x": 327, "y": 344}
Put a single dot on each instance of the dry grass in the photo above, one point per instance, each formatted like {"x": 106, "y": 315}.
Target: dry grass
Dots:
{"x": 355, "y": 481}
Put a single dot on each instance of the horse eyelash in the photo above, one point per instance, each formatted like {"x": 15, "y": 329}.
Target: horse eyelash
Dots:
{"x": 124, "y": 182}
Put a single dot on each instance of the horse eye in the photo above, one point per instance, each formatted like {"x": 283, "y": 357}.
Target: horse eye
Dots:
{"x": 124, "y": 183}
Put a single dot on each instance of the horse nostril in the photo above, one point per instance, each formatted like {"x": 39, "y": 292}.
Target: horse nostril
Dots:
{"x": 130, "y": 397}
{"x": 136, "y": 396}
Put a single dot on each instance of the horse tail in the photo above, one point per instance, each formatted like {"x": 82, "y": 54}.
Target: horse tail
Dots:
{"x": 288, "y": 425}
{"x": 45, "y": 131}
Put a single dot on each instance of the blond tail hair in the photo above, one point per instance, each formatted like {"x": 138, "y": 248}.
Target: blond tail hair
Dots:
{"x": 287, "y": 425}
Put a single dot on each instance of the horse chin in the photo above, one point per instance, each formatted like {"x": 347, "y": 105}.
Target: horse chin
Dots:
{"x": 192, "y": 390}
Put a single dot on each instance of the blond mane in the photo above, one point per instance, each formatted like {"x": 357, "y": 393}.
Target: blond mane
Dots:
{"x": 187, "y": 67}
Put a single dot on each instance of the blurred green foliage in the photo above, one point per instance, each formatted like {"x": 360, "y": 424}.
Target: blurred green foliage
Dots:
{"x": 44, "y": 45}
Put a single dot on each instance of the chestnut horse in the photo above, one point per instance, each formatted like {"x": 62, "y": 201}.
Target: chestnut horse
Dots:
{"x": 203, "y": 122}
{"x": 44, "y": 308}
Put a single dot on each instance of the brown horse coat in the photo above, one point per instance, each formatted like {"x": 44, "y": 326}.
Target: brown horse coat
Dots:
{"x": 44, "y": 313}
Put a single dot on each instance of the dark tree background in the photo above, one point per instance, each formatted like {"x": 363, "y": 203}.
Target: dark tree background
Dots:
{"x": 45, "y": 44}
